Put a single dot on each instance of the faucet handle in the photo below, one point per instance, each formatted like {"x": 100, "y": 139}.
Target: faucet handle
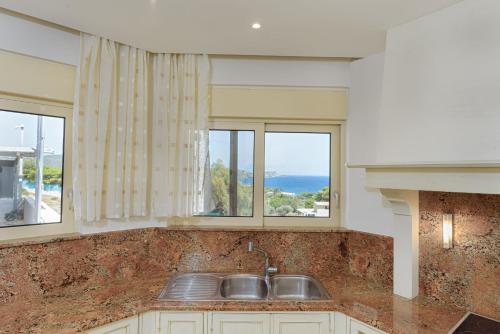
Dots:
{"x": 272, "y": 270}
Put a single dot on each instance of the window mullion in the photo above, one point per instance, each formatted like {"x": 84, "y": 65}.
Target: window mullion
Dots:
{"x": 233, "y": 174}
{"x": 259, "y": 174}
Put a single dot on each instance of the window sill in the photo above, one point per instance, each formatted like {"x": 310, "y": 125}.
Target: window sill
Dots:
{"x": 311, "y": 229}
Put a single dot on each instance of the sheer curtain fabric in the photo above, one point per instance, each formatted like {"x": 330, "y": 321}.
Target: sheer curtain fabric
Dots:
{"x": 110, "y": 131}
{"x": 139, "y": 150}
{"x": 179, "y": 134}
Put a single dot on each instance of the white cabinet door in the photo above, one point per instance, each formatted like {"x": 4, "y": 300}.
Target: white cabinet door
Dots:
{"x": 357, "y": 327}
{"x": 340, "y": 323}
{"x": 301, "y": 323}
{"x": 125, "y": 326}
{"x": 241, "y": 323}
{"x": 180, "y": 323}
{"x": 148, "y": 322}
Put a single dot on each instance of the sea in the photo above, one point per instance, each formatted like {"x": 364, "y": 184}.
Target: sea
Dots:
{"x": 295, "y": 183}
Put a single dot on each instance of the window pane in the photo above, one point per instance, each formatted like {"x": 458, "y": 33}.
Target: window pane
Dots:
{"x": 231, "y": 173}
{"x": 297, "y": 174}
{"x": 31, "y": 168}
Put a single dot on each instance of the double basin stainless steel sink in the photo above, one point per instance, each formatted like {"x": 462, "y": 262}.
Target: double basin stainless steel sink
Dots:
{"x": 247, "y": 287}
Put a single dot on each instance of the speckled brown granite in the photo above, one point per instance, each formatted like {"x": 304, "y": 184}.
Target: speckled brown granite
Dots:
{"x": 78, "y": 307}
{"x": 79, "y": 282}
{"x": 371, "y": 257}
{"x": 467, "y": 275}
{"x": 69, "y": 285}
{"x": 125, "y": 253}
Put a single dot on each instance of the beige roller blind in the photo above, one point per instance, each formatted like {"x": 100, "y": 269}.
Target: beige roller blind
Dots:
{"x": 34, "y": 77}
{"x": 279, "y": 102}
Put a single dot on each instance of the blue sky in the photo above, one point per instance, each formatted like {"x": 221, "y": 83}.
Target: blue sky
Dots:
{"x": 10, "y": 136}
{"x": 219, "y": 148}
{"x": 285, "y": 153}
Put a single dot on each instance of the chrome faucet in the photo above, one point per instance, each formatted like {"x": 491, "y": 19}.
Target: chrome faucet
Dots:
{"x": 267, "y": 268}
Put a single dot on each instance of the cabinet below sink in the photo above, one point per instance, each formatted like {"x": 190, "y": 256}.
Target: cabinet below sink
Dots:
{"x": 245, "y": 287}
{"x": 168, "y": 322}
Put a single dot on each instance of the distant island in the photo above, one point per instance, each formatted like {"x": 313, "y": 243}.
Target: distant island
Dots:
{"x": 271, "y": 174}
{"x": 244, "y": 174}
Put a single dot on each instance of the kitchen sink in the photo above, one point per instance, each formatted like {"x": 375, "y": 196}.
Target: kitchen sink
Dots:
{"x": 297, "y": 287}
{"x": 247, "y": 287}
{"x": 243, "y": 286}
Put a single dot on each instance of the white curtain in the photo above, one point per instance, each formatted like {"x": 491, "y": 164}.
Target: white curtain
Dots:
{"x": 179, "y": 135}
{"x": 110, "y": 131}
{"x": 132, "y": 158}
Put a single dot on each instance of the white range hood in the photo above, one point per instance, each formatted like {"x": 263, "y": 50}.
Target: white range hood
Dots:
{"x": 400, "y": 184}
{"x": 481, "y": 177}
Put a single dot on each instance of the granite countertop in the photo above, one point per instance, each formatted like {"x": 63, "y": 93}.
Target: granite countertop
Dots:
{"x": 75, "y": 308}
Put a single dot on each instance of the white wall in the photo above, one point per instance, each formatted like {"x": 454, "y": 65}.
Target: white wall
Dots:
{"x": 365, "y": 210}
{"x": 441, "y": 99}
{"x": 28, "y": 37}
{"x": 280, "y": 72}
{"x": 434, "y": 96}
{"x": 25, "y": 36}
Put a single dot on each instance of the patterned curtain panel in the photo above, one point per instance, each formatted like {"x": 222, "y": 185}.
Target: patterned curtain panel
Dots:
{"x": 179, "y": 135}
{"x": 110, "y": 131}
{"x": 139, "y": 150}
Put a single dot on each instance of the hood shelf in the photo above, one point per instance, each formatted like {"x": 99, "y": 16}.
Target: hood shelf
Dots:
{"x": 466, "y": 177}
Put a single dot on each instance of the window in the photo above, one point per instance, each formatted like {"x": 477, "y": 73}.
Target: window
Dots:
{"x": 231, "y": 173}
{"x": 297, "y": 174}
{"x": 273, "y": 175}
{"x": 31, "y": 168}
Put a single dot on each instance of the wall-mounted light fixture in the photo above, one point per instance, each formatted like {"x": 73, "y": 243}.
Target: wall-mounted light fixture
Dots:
{"x": 448, "y": 231}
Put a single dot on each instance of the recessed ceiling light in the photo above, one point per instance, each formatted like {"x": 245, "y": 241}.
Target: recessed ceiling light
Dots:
{"x": 256, "y": 25}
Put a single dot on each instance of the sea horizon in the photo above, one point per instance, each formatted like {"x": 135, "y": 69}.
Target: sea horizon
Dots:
{"x": 294, "y": 183}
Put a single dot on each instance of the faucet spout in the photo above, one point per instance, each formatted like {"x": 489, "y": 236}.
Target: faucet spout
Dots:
{"x": 267, "y": 268}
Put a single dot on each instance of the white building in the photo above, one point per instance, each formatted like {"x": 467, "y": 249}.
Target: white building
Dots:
{"x": 320, "y": 209}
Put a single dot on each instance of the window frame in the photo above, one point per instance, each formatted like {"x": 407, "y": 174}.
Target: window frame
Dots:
{"x": 258, "y": 220}
{"x": 298, "y": 221}
{"x": 258, "y": 186}
{"x": 253, "y": 172}
{"x": 54, "y": 109}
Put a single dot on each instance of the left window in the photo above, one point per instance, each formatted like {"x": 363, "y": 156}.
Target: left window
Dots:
{"x": 231, "y": 174}
{"x": 31, "y": 168}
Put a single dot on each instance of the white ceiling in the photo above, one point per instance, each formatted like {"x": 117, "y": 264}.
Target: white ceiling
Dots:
{"x": 319, "y": 28}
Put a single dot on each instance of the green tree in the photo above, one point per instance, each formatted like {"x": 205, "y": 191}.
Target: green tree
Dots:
{"x": 277, "y": 201}
{"x": 309, "y": 203}
{"x": 284, "y": 210}
{"x": 51, "y": 175}
{"x": 220, "y": 191}
{"x": 245, "y": 199}
{"x": 29, "y": 170}
{"x": 323, "y": 195}
{"x": 220, "y": 187}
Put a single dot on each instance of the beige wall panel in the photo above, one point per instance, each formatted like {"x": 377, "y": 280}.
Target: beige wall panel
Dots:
{"x": 33, "y": 77}
{"x": 279, "y": 102}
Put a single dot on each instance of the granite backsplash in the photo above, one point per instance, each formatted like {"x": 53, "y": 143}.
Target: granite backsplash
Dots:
{"x": 467, "y": 275}
{"x": 39, "y": 269}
